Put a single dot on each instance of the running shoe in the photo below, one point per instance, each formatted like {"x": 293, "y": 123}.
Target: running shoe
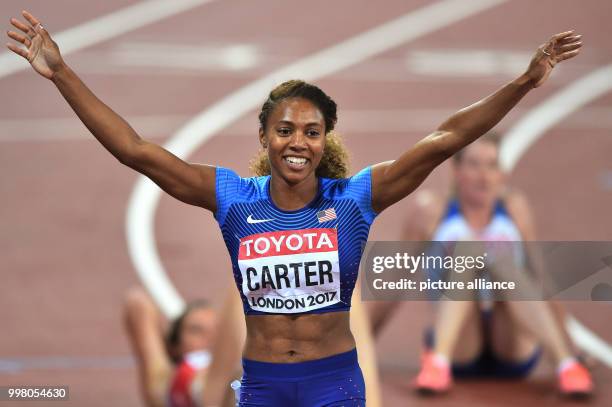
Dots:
{"x": 575, "y": 380}
{"x": 435, "y": 375}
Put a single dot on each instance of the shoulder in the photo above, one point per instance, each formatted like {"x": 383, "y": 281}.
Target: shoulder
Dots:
{"x": 354, "y": 186}
{"x": 231, "y": 188}
{"x": 357, "y": 188}
{"x": 229, "y": 181}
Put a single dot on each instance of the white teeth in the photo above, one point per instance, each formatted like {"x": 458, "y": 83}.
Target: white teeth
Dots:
{"x": 296, "y": 160}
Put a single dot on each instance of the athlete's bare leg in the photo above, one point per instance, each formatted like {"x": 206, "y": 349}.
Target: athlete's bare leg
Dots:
{"x": 509, "y": 340}
{"x": 458, "y": 331}
{"x": 561, "y": 315}
{"x": 538, "y": 318}
{"x": 465, "y": 324}
{"x": 226, "y": 353}
{"x": 144, "y": 327}
{"x": 362, "y": 331}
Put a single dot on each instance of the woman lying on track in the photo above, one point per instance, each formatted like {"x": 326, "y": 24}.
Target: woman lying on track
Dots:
{"x": 295, "y": 233}
{"x": 485, "y": 339}
{"x": 171, "y": 365}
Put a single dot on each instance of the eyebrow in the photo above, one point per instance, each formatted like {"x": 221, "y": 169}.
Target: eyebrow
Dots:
{"x": 293, "y": 124}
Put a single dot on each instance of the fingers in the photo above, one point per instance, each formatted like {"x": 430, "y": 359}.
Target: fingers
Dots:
{"x": 568, "y": 55}
{"x": 17, "y": 50}
{"x": 21, "y": 38}
{"x": 31, "y": 19}
{"x": 30, "y": 30}
{"x": 26, "y": 29}
{"x": 41, "y": 30}
{"x": 562, "y": 46}
{"x": 569, "y": 47}
{"x": 572, "y": 38}
{"x": 562, "y": 35}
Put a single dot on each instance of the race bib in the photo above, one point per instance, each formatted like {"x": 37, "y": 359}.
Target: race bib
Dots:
{"x": 290, "y": 271}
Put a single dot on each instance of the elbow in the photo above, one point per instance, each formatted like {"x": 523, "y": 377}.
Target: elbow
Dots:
{"x": 130, "y": 156}
{"x": 441, "y": 144}
{"x": 126, "y": 159}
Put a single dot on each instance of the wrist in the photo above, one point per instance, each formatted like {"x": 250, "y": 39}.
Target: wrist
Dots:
{"x": 60, "y": 72}
{"x": 525, "y": 81}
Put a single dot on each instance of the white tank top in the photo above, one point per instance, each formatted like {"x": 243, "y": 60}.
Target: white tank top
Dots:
{"x": 501, "y": 228}
{"x": 454, "y": 227}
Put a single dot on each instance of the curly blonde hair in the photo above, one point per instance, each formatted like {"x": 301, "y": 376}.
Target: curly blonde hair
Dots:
{"x": 334, "y": 163}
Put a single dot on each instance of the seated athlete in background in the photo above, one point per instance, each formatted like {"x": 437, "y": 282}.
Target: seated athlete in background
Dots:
{"x": 502, "y": 339}
{"x": 171, "y": 364}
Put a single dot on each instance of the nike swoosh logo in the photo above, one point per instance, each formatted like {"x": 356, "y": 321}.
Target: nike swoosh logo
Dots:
{"x": 251, "y": 220}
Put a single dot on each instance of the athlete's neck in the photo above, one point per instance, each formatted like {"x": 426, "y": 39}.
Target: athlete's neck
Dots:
{"x": 291, "y": 197}
{"x": 476, "y": 214}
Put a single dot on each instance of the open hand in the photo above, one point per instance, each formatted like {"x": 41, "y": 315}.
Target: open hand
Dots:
{"x": 560, "y": 47}
{"x": 40, "y": 50}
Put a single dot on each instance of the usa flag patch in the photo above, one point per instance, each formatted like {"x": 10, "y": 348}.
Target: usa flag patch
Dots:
{"x": 326, "y": 214}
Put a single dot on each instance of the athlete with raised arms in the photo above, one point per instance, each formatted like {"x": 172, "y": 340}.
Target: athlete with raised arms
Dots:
{"x": 294, "y": 236}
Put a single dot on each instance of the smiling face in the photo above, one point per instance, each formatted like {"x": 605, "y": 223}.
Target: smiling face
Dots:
{"x": 477, "y": 174}
{"x": 295, "y": 139}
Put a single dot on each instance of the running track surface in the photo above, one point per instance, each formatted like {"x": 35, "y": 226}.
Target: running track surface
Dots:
{"x": 65, "y": 266}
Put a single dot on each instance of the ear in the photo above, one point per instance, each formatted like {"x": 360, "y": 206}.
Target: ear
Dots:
{"x": 263, "y": 140}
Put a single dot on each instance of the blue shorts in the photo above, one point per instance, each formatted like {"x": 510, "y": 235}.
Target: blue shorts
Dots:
{"x": 334, "y": 381}
{"x": 487, "y": 364}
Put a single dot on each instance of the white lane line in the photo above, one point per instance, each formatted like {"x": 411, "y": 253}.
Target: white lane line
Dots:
{"x": 67, "y": 128}
{"x": 104, "y": 28}
{"x": 392, "y": 122}
{"x": 145, "y": 197}
{"x": 589, "y": 342}
{"x": 232, "y": 56}
{"x": 62, "y": 362}
{"x": 549, "y": 113}
{"x": 526, "y": 132}
{"x": 467, "y": 62}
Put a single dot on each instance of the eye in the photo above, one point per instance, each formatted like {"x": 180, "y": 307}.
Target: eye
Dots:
{"x": 313, "y": 133}
{"x": 284, "y": 131}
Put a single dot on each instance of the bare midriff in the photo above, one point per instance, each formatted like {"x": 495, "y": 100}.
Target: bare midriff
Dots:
{"x": 297, "y": 338}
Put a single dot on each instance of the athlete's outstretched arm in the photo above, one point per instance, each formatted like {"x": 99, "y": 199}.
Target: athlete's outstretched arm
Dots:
{"x": 190, "y": 183}
{"x": 394, "y": 180}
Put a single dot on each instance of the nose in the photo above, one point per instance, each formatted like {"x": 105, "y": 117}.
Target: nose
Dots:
{"x": 298, "y": 141}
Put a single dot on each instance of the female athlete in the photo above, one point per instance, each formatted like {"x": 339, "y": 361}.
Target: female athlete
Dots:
{"x": 295, "y": 236}
{"x": 485, "y": 339}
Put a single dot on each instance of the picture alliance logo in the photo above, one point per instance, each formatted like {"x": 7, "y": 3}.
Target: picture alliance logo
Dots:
{"x": 407, "y": 262}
